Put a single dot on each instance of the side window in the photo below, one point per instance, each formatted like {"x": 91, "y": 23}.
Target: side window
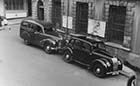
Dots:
{"x": 86, "y": 47}
{"x": 24, "y": 24}
{"x": 37, "y": 28}
{"x": 77, "y": 44}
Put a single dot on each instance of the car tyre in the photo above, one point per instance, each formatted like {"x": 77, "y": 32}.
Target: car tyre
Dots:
{"x": 99, "y": 70}
{"x": 67, "y": 57}
{"x": 47, "y": 48}
{"x": 131, "y": 81}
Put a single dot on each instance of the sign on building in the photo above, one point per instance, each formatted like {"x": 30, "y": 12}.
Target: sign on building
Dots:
{"x": 67, "y": 22}
{"x": 96, "y": 27}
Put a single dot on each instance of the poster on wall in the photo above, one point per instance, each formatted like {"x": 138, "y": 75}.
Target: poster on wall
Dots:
{"x": 69, "y": 22}
{"x": 64, "y": 18}
{"x": 96, "y": 28}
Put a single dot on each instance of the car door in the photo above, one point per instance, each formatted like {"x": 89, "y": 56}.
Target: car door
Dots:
{"x": 31, "y": 32}
{"x": 77, "y": 50}
{"x": 38, "y": 34}
{"x": 86, "y": 52}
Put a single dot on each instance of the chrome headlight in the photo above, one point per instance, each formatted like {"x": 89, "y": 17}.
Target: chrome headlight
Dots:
{"x": 114, "y": 60}
{"x": 108, "y": 64}
{"x": 119, "y": 62}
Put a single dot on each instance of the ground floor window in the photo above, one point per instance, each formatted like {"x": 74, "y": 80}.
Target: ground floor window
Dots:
{"x": 116, "y": 24}
{"x": 14, "y": 4}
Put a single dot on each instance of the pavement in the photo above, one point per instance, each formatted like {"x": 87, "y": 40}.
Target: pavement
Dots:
{"x": 132, "y": 62}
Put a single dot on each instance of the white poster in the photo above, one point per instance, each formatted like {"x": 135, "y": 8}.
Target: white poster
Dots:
{"x": 64, "y": 21}
{"x": 96, "y": 27}
{"x": 70, "y": 22}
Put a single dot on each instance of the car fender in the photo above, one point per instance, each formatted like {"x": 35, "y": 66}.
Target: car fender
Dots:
{"x": 69, "y": 49}
{"x": 44, "y": 41}
{"x": 100, "y": 61}
{"x": 108, "y": 64}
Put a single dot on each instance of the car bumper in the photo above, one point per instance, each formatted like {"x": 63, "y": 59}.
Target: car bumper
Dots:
{"x": 114, "y": 72}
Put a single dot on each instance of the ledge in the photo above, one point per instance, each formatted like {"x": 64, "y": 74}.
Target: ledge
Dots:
{"x": 115, "y": 45}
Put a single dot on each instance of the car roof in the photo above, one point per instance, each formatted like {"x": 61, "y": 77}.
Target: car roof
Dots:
{"x": 43, "y": 23}
{"x": 86, "y": 38}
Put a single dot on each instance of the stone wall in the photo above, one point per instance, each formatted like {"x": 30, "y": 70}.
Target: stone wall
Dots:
{"x": 47, "y": 9}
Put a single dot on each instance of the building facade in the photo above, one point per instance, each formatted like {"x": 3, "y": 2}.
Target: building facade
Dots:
{"x": 15, "y": 8}
{"x": 115, "y": 21}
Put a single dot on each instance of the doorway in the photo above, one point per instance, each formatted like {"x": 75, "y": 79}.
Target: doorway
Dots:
{"x": 116, "y": 23}
{"x": 40, "y": 10}
{"x": 81, "y": 17}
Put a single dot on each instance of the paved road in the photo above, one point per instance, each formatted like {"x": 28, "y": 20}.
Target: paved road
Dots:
{"x": 22, "y": 65}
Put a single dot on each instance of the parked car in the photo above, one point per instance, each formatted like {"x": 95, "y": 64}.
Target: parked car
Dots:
{"x": 4, "y": 21}
{"x": 91, "y": 52}
{"x": 42, "y": 34}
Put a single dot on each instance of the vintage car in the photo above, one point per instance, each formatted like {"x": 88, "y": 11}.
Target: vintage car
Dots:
{"x": 91, "y": 52}
{"x": 42, "y": 34}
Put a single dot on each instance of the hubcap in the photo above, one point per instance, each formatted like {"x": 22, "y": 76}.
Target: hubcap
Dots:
{"x": 48, "y": 47}
{"x": 133, "y": 83}
{"x": 98, "y": 70}
{"x": 67, "y": 56}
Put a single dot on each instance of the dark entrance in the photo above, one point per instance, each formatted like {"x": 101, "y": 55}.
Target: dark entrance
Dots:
{"x": 81, "y": 17}
{"x": 40, "y": 10}
{"x": 29, "y": 7}
{"x": 56, "y": 13}
{"x": 116, "y": 23}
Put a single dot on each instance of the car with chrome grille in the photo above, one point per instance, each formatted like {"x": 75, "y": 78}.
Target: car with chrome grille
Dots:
{"x": 91, "y": 52}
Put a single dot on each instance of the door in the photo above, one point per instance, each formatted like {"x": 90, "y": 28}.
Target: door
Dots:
{"x": 81, "y": 17}
{"x": 86, "y": 50}
{"x": 40, "y": 10}
{"x": 56, "y": 13}
{"x": 77, "y": 50}
{"x": 116, "y": 23}
{"x": 38, "y": 34}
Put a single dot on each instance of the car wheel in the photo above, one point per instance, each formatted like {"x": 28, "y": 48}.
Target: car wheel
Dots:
{"x": 99, "y": 70}
{"x": 47, "y": 48}
{"x": 67, "y": 56}
{"x": 131, "y": 81}
{"x": 26, "y": 42}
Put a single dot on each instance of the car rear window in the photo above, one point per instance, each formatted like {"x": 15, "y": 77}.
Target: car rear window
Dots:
{"x": 25, "y": 24}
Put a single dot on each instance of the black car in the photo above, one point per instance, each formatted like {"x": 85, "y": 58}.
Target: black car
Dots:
{"x": 42, "y": 34}
{"x": 91, "y": 52}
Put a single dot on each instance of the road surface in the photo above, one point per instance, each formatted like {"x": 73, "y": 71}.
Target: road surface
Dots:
{"x": 22, "y": 65}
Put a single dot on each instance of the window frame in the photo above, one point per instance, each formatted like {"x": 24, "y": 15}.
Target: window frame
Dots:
{"x": 14, "y": 4}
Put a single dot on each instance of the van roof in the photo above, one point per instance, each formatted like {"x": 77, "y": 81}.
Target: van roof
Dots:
{"x": 43, "y": 23}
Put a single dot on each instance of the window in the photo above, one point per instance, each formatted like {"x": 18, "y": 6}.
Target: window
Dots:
{"x": 24, "y": 24}
{"x": 86, "y": 47}
{"x": 14, "y": 4}
{"x": 78, "y": 44}
{"x": 116, "y": 24}
{"x": 37, "y": 28}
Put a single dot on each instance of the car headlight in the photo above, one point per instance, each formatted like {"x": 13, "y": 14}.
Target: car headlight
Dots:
{"x": 108, "y": 64}
{"x": 119, "y": 62}
{"x": 115, "y": 60}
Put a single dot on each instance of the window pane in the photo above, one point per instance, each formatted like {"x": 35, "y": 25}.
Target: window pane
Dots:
{"x": 14, "y": 4}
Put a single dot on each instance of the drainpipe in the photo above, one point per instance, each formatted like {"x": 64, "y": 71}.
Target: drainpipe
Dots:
{"x": 67, "y": 31}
